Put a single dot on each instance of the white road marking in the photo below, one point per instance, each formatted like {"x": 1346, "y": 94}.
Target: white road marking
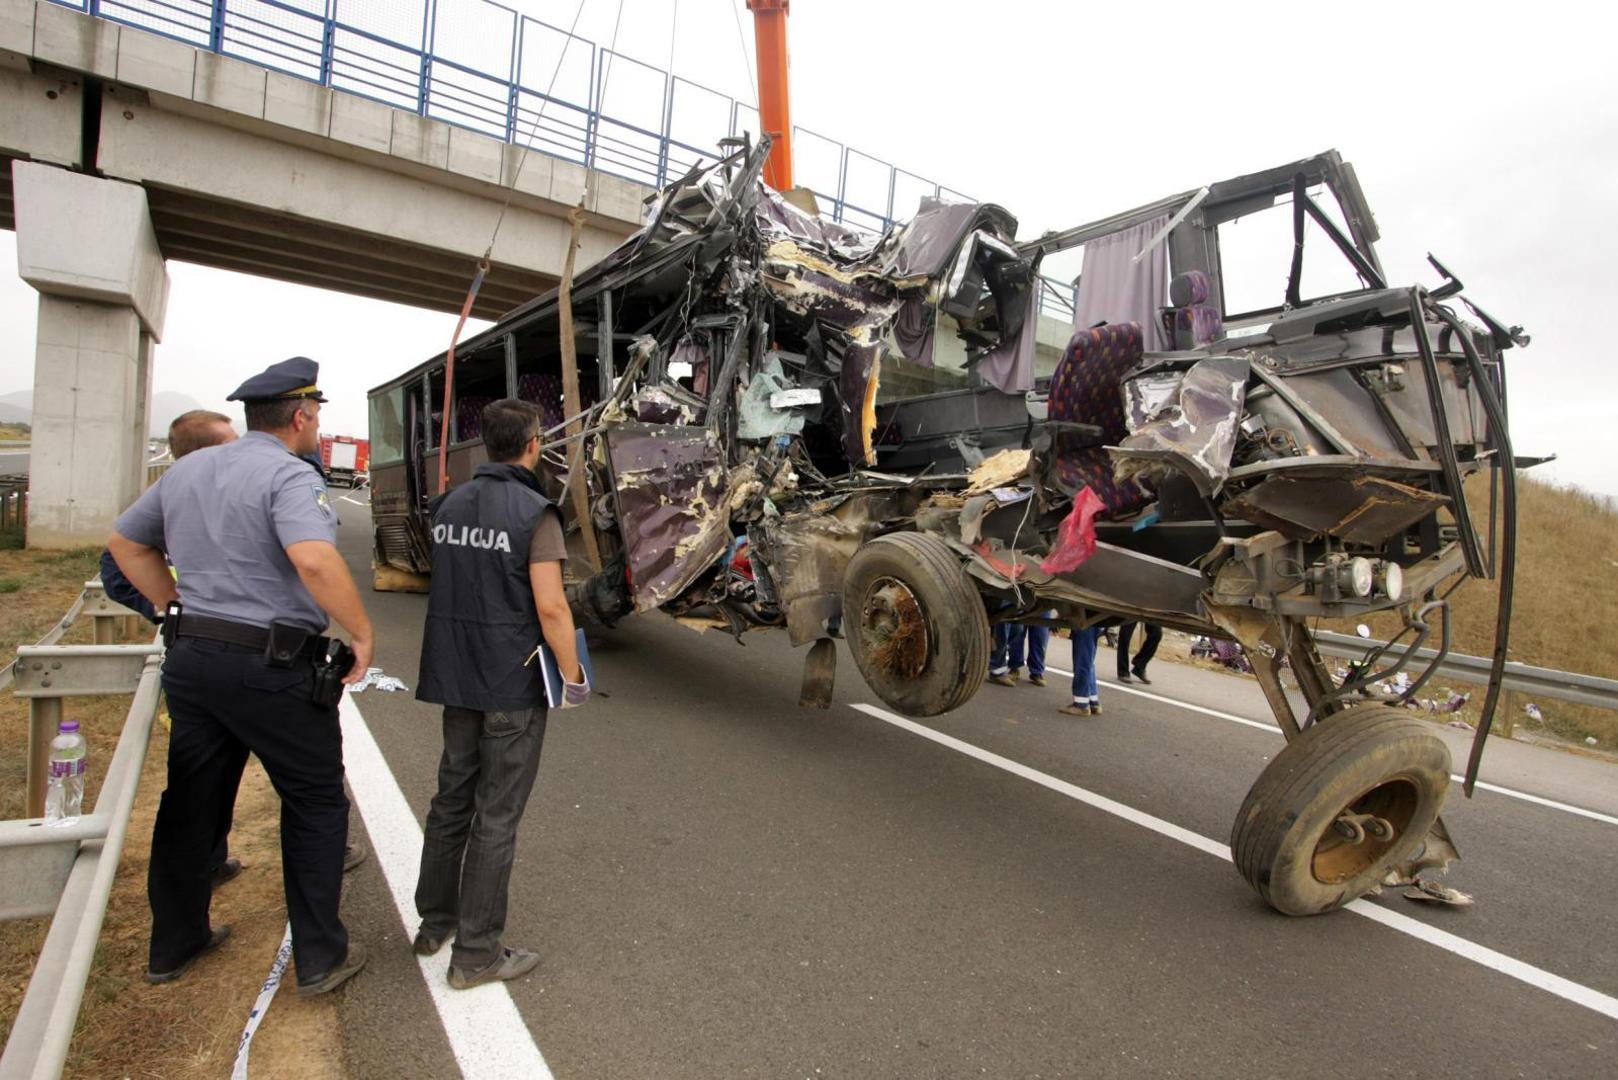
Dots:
{"x": 1593, "y": 815}
{"x": 1566, "y": 989}
{"x": 486, "y": 1032}
{"x": 351, "y": 499}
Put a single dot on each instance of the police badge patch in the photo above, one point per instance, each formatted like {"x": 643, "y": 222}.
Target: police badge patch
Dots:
{"x": 321, "y": 500}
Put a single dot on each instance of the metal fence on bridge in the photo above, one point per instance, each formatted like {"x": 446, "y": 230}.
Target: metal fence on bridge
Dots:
{"x": 488, "y": 68}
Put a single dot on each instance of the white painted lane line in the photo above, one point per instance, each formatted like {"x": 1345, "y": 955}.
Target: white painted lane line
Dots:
{"x": 486, "y": 1032}
{"x": 1232, "y": 717}
{"x": 351, "y": 499}
{"x": 1593, "y": 815}
{"x": 1566, "y": 989}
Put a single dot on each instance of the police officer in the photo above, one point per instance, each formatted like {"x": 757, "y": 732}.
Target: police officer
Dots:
{"x": 496, "y": 588}
{"x": 253, "y": 539}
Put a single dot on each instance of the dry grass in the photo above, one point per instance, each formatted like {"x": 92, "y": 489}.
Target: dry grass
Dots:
{"x": 1567, "y": 589}
{"x": 126, "y": 1028}
{"x": 15, "y": 431}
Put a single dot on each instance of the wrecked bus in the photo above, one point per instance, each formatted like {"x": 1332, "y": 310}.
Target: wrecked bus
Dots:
{"x": 783, "y": 423}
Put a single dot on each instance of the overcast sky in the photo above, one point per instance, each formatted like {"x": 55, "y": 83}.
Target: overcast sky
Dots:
{"x": 1487, "y": 134}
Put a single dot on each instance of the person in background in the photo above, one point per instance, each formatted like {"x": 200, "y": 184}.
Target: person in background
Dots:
{"x": 249, "y": 669}
{"x": 496, "y": 592}
{"x": 1148, "y": 649}
{"x": 1086, "y": 695}
{"x": 194, "y": 430}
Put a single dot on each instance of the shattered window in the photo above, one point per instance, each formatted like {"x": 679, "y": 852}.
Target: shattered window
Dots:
{"x": 902, "y": 378}
{"x": 387, "y": 426}
{"x": 1255, "y": 257}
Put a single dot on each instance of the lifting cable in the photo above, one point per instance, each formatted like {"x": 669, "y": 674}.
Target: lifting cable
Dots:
{"x": 483, "y": 263}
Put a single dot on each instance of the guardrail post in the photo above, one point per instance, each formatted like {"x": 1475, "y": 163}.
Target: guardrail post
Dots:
{"x": 592, "y": 117}
{"x": 668, "y": 124}
{"x": 44, "y": 717}
{"x": 216, "y": 27}
{"x": 328, "y": 41}
{"x": 429, "y": 34}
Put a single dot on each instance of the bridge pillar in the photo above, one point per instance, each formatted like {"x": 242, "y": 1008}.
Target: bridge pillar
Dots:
{"x": 88, "y": 246}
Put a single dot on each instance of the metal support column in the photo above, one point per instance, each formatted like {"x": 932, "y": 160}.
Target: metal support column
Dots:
{"x": 44, "y": 717}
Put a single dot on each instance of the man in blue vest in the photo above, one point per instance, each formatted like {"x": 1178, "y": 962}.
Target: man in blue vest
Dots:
{"x": 496, "y": 590}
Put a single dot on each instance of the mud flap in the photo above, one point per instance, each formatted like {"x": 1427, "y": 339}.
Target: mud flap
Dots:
{"x": 819, "y": 675}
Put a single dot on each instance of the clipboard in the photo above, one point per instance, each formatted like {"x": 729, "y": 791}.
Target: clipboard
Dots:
{"x": 552, "y": 671}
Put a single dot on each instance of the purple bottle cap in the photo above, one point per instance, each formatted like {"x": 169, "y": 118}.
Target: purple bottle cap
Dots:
{"x": 69, "y": 726}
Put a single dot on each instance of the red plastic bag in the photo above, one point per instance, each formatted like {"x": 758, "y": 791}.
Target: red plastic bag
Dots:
{"x": 1076, "y": 539}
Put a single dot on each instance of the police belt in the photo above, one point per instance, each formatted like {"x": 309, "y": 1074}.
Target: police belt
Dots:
{"x": 244, "y": 634}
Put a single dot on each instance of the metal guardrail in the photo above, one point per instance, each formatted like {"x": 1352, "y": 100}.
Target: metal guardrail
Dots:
{"x": 71, "y": 869}
{"x": 1542, "y": 682}
{"x": 13, "y": 502}
{"x": 488, "y": 68}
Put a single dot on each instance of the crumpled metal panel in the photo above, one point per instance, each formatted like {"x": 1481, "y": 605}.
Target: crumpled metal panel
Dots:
{"x": 671, "y": 505}
{"x": 809, "y": 553}
{"x": 1194, "y": 431}
{"x": 1358, "y": 509}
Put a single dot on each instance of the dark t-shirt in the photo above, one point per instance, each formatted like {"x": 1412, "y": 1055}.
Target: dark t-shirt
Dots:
{"x": 546, "y": 545}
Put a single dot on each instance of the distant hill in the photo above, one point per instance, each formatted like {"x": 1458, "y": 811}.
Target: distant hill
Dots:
{"x": 18, "y": 408}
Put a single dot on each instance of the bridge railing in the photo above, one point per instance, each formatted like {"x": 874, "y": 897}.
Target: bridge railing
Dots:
{"x": 483, "y": 66}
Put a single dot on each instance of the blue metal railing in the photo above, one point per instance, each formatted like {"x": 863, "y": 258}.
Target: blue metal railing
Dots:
{"x": 488, "y": 68}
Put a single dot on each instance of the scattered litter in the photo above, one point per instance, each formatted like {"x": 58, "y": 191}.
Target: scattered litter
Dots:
{"x": 1590, "y": 740}
{"x": 1004, "y": 468}
{"x": 375, "y": 678}
{"x": 1462, "y": 724}
{"x": 1533, "y": 713}
{"x": 1433, "y": 892}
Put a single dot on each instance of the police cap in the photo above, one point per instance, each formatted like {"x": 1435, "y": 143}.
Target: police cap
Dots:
{"x": 294, "y": 378}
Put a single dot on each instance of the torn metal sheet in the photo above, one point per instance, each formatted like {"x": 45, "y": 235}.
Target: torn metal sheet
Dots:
{"x": 1358, "y": 509}
{"x": 671, "y": 502}
{"x": 1194, "y": 432}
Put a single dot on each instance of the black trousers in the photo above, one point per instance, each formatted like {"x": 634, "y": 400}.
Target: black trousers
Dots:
{"x": 1148, "y": 648}
{"x": 224, "y": 702}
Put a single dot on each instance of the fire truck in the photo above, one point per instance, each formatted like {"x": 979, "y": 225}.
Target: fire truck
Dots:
{"x": 347, "y": 460}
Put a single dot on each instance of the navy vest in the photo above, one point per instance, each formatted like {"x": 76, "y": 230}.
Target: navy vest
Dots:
{"x": 481, "y": 623}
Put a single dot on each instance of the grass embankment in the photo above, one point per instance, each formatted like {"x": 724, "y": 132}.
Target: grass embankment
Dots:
{"x": 1562, "y": 614}
{"x": 14, "y": 432}
{"x": 126, "y": 1028}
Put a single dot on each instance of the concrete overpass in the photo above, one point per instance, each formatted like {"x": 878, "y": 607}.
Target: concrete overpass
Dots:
{"x": 121, "y": 148}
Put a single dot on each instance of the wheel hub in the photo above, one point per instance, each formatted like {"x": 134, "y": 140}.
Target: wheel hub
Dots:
{"x": 893, "y": 628}
{"x": 1364, "y": 831}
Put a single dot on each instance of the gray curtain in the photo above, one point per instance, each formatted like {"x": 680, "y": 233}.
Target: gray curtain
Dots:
{"x": 1114, "y": 288}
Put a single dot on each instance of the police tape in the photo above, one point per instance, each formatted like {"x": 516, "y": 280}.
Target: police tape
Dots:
{"x": 262, "y": 1005}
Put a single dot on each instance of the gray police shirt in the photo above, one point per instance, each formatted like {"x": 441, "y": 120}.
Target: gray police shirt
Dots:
{"x": 225, "y": 516}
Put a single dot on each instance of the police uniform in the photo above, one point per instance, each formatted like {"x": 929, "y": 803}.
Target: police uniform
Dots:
{"x": 225, "y": 516}
{"x": 481, "y": 627}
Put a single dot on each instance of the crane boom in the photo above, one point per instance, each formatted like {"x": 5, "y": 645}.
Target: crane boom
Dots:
{"x": 774, "y": 98}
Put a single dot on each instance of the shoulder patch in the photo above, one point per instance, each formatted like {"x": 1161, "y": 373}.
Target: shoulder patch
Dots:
{"x": 321, "y": 500}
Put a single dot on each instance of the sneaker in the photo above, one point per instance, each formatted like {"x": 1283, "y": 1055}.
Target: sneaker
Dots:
{"x": 225, "y": 871}
{"x": 1075, "y": 708}
{"x": 215, "y": 939}
{"x": 1036, "y": 680}
{"x": 1004, "y": 679}
{"x": 337, "y": 976}
{"x": 511, "y": 964}
{"x": 1095, "y": 708}
{"x": 428, "y": 943}
{"x": 353, "y": 854}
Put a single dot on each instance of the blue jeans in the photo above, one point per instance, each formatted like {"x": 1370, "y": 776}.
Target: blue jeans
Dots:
{"x": 1036, "y": 638}
{"x": 1084, "y": 666}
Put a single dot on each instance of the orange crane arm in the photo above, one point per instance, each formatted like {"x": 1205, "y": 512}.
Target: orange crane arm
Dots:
{"x": 774, "y": 100}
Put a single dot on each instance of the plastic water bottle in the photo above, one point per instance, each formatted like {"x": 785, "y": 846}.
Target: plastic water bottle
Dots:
{"x": 64, "y": 796}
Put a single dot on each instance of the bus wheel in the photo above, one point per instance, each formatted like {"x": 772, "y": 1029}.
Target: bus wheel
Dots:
{"x": 1338, "y": 807}
{"x": 915, "y": 624}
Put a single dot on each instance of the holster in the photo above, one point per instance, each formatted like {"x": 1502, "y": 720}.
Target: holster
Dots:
{"x": 330, "y": 667}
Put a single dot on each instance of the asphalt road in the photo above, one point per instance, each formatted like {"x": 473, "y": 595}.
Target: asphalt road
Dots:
{"x": 723, "y": 884}
{"x": 14, "y": 462}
